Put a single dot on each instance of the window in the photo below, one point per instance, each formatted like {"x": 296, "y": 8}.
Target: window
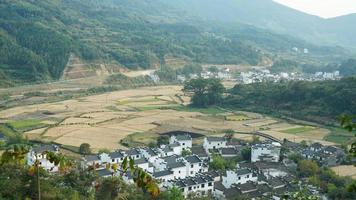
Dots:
{"x": 202, "y": 185}
{"x": 182, "y": 189}
{"x": 191, "y": 166}
{"x": 199, "y": 164}
{"x": 239, "y": 178}
{"x": 113, "y": 160}
{"x": 137, "y": 156}
{"x": 191, "y": 172}
{"x": 179, "y": 172}
{"x": 183, "y": 143}
{"x": 247, "y": 176}
{"x": 190, "y": 188}
{"x": 210, "y": 184}
{"x": 194, "y": 187}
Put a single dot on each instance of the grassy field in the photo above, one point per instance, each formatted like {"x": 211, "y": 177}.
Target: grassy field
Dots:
{"x": 209, "y": 111}
{"x": 340, "y": 136}
{"x": 26, "y": 124}
{"x": 298, "y": 130}
{"x": 239, "y": 117}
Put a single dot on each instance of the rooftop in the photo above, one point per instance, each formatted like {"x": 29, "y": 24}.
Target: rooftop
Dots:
{"x": 175, "y": 165}
{"x": 104, "y": 172}
{"x": 183, "y": 137}
{"x": 216, "y": 139}
{"x": 162, "y": 173}
{"x": 44, "y": 148}
{"x": 193, "y": 159}
{"x": 116, "y": 154}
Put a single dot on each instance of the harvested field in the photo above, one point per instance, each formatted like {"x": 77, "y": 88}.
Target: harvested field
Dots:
{"x": 345, "y": 170}
{"x": 139, "y": 116}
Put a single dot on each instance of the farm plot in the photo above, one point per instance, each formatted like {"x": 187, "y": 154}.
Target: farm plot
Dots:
{"x": 345, "y": 170}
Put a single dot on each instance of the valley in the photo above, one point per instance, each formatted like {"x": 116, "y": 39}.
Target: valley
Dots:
{"x": 136, "y": 117}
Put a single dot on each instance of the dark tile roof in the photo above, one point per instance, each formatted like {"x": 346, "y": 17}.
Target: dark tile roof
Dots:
{"x": 43, "y": 148}
{"x": 199, "y": 150}
{"x": 132, "y": 152}
{"x": 193, "y": 159}
{"x": 212, "y": 173}
{"x": 189, "y": 181}
{"x": 243, "y": 171}
{"x": 275, "y": 182}
{"x": 90, "y": 158}
{"x": 151, "y": 151}
{"x": 170, "y": 159}
{"x": 228, "y": 151}
{"x": 167, "y": 149}
{"x": 231, "y": 193}
{"x": 316, "y": 145}
{"x": 175, "y": 165}
{"x": 162, "y": 173}
{"x": 219, "y": 186}
{"x": 141, "y": 161}
{"x": 183, "y": 137}
{"x": 331, "y": 149}
{"x": 246, "y": 187}
{"x": 216, "y": 139}
{"x": 116, "y": 154}
{"x": 103, "y": 172}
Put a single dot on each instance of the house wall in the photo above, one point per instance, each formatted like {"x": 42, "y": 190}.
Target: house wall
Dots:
{"x": 232, "y": 178}
{"x": 213, "y": 145}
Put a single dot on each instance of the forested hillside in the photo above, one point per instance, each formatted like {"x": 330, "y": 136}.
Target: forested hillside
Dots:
{"x": 315, "y": 101}
{"x": 38, "y": 36}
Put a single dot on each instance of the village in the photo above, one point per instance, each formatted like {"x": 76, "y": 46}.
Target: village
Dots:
{"x": 265, "y": 170}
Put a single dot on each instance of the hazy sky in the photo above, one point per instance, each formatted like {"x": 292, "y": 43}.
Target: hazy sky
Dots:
{"x": 322, "y": 8}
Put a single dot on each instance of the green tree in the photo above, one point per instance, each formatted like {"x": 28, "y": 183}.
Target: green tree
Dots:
{"x": 84, "y": 149}
{"x": 173, "y": 193}
{"x": 308, "y": 168}
{"x": 186, "y": 152}
{"x": 162, "y": 139}
{"x": 205, "y": 92}
{"x": 246, "y": 153}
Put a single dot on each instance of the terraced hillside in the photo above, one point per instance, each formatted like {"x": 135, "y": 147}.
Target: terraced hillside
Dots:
{"x": 38, "y": 37}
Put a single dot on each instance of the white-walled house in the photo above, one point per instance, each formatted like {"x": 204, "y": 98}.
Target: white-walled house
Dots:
{"x": 38, "y": 153}
{"x": 179, "y": 169}
{"x": 117, "y": 157}
{"x": 268, "y": 152}
{"x": 184, "y": 140}
{"x": 151, "y": 154}
{"x": 202, "y": 184}
{"x": 194, "y": 165}
{"x": 239, "y": 176}
{"x": 214, "y": 143}
{"x": 163, "y": 176}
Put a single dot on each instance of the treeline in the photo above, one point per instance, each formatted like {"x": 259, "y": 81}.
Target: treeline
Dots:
{"x": 300, "y": 99}
{"x": 346, "y": 68}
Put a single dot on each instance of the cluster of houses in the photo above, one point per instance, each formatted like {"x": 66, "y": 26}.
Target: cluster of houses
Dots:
{"x": 223, "y": 74}
{"x": 265, "y": 176}
{"x": 264, "y": 75}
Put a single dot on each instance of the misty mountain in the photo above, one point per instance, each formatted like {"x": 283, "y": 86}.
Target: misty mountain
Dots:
{"x": 38, "y": 36}
{"x": 275, "y": 17}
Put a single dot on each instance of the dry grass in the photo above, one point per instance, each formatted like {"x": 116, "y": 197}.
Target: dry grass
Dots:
{"x": 345, "y": 170}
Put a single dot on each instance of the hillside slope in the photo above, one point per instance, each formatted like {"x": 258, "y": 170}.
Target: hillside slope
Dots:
{"x": 38, "y": 36}
{"x": 275, "y": 17}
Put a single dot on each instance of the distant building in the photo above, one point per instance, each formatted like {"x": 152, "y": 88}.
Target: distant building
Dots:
{"x": 202, "y": 184}
{"x": 268, "y": 152}
{"x": 184, "y": 140}
{"x": 38, "y": 153}
{"x": 239, "y": 176}
{"x": 214, "y": 143}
